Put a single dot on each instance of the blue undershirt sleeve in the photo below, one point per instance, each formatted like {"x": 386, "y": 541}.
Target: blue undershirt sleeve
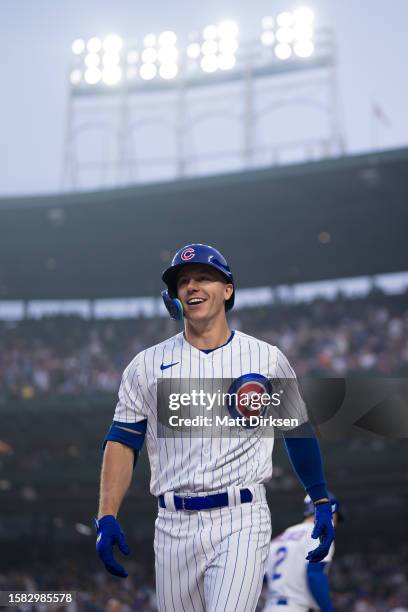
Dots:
{"x": 129, "y": 434}
{"x": 318, "y": 583}
{"x": 304, "y": 454}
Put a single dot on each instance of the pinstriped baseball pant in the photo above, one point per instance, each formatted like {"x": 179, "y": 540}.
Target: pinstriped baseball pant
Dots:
{"x": 212, "y": 560}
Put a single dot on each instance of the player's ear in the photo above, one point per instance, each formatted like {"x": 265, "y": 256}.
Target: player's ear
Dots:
{"x": 228, "y": 291}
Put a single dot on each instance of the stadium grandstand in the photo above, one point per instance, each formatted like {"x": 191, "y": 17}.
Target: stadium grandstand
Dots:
{"x": 320, "y": 257}
{"x": 329, "y": 219}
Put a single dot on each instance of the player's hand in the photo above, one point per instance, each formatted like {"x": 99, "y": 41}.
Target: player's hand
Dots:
{"x": 109, "y": 533}
{"x": 324, "y": 530}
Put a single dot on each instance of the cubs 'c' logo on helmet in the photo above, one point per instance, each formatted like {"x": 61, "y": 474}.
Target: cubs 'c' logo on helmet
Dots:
{"x": 187, "y": 254}
{"x": 244, "y": 396}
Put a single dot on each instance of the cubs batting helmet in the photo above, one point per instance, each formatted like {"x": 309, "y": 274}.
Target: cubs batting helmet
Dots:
{"x": 193, "y": 254}
{"x": 309, "y": 507}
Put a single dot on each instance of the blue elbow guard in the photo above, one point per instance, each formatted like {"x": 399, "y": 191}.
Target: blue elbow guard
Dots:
{"x": 130, "y": 434}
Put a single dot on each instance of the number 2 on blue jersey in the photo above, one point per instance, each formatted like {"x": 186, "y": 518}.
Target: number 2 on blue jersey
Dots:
{"x": 280, "y": 557}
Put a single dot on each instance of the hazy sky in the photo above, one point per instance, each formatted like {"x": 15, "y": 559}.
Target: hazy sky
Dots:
{"x": 35, "y": 42}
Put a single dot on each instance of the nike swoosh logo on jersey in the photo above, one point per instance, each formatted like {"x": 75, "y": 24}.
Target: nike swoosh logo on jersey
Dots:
{"x": 168, "y": 365}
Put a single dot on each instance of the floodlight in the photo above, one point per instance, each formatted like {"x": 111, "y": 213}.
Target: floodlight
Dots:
{"x": 227, "y": 29}
{"x": 78, "y": 46}
{"x": 284, "y": 35}
{"x": 93, "y": 76}
{"x": 149, "y": 55}
{"x": 131, "y": 73}
{"x": 226, "y": 62}
{"x": 168, "y": 71}
{"x": 149, "y": 40}
{"x": 111, "y": 59}
{"x": 94, "y": 44}
{"x": 228, "y": 46}
{"x": 285, "y": 19}
{"x": 210, "y": 32}
{"x": 303, "y": 15}
{"x": 303, "y": 31}
{"x": 167, "y": 55}
{"x": 132, "y": 57}
{"x": 303, "y": 48}
{"x": 193, "y": 50}
{"x": 268, "y": 39}
{"x": 148, "y": 71}
{"x": 283, "y": 51}
{"x": 92, "y": 60}
{"x": 112, "y": 43}
{"x": 112, "y": 75}
{"x": 209, "y": 63}
{"x": 75, "y": 76}
{"x": 167, "y": 38}
{"x": 209, "y": 47}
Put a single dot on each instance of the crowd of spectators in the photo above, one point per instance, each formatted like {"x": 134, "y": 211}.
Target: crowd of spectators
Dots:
{"x": 93, "y": 589}
{"x": 359, "y": 583}
{"x": 370, "y": 583}
{"x": 69, "y": 355}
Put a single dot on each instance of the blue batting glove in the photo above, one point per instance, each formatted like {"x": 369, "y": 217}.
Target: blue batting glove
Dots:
{"x": 109, "y": 533}
{"x": 324, "y": 530}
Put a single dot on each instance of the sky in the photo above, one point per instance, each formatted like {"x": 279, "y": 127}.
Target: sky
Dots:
{"x": 35, "y": 46}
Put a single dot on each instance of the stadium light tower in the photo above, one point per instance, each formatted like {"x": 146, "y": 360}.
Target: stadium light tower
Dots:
{"x": 118, "y": 87}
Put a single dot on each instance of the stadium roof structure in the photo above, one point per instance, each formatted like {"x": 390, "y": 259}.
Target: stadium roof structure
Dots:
{"x": 336, "y": 218}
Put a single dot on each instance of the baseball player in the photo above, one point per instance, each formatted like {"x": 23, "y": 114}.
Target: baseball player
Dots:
{"x": 295, "y": 585}
{"x": 213, "y": 529}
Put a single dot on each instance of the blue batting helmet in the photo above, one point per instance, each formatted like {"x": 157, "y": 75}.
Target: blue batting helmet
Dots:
{"x": 309, "y": 507}
{"x": 193, "y": 254}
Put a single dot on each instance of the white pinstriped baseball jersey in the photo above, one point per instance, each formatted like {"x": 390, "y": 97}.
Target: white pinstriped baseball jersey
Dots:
{"x": 286, "y": 567}
{"x": 200, "y": 464}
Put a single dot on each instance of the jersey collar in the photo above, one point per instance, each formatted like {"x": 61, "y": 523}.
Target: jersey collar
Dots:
{"x": 208, "y": 351}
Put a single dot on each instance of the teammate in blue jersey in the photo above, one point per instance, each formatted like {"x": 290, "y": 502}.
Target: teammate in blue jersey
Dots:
{"x": 213, "y": 529}
{"x": 294, "y": 584}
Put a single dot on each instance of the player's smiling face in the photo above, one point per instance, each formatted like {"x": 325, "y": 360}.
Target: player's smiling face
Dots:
{"x": 203, "y": 291}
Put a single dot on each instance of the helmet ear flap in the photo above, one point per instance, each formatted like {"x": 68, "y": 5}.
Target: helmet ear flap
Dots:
{"x": 173, "y": 305}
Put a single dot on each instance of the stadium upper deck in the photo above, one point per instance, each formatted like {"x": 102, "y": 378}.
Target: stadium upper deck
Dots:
{"x": 336, "y": 218}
